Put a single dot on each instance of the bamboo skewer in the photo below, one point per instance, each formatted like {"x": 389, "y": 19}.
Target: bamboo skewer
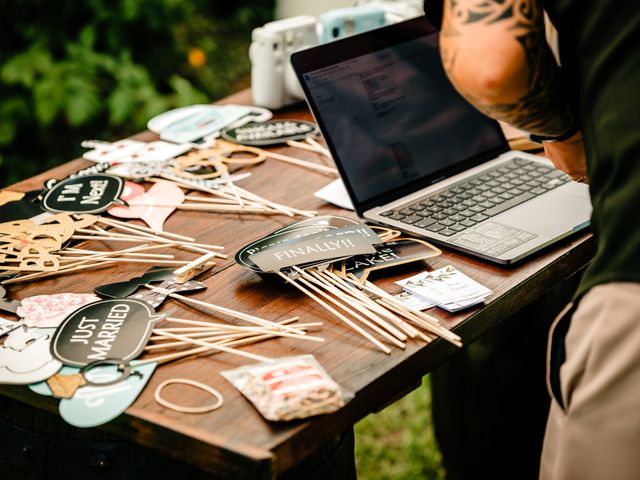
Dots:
{"x": 328, "y": 307}
{"x": 355, "y": 315}
{"x": 243, "y": 341}
{"x": 301, "y": 163}
{"x": 215, "y": 346}
{"x": 320, "y": 281}
{"x": 233, "y": 313}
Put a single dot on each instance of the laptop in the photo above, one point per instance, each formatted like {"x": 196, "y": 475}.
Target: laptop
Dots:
{"x": 415, "y": 156}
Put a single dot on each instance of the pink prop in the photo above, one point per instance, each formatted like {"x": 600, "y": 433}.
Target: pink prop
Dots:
{"x": 161, "y": 193}
{"x": 46, "y": 311}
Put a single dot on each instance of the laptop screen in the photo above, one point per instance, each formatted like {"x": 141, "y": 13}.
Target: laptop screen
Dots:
{"x": 393, "y": 120}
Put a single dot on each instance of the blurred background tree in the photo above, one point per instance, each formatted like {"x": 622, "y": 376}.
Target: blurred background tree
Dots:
{"x": 100, "y": 69}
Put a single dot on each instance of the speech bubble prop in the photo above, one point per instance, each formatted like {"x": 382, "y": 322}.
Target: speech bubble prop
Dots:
{"x": 92, "y": 406}
{"x": 84, "y": 194}
{"x": 25, "y": 356}
{"x": 113, "y": 328}
{"x": 390, "y": 254}
{"x": 272, "y": 132}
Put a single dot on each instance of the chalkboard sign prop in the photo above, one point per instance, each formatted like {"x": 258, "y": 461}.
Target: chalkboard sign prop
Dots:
{"x": 293, "y": 231}
{"x": 85, "y": 194}
{"x": 311, "y": 249}
{"x": 390, "y": 254}
{"x": 268, "y": 133}
{"x": 109, "y": 329}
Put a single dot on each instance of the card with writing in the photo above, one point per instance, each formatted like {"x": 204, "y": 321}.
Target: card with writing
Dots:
{"x": 447, "y": 287}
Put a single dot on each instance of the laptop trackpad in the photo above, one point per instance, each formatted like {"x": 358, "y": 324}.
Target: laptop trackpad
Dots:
{"x": 549, "y": 215}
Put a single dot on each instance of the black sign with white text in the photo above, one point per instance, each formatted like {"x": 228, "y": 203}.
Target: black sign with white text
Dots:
{"x": 109, "y": 329}
{"x": 270, "y": 133}
{"x": 84, "y": 194}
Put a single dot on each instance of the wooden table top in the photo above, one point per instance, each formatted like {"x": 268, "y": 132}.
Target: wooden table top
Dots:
{"x": 235, "y": 440}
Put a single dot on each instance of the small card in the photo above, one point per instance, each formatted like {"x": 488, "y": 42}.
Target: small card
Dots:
{"x": 413, "y": 302}
{"x": 309, "y": 250}
{"x": 447, "y": 287}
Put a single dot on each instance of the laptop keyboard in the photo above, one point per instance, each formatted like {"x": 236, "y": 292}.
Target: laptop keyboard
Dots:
{"x": 479, "y": 198}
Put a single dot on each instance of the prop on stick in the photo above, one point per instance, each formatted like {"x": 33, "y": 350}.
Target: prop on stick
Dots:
{"x": 25, "y": 355}
{"x": 83, "y": 194}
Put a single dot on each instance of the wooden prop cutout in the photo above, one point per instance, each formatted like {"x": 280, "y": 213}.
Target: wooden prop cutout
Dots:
{"x": 152, "y": 206}
{"x": 110, "y": 329}
{"x": 272, "y": 132}
{"x": 125, "y": 289}
{"x": 25, "y": 356}
{"x": 214, "y": 162}
{"x": 83, "y": 194}
{"x": 27, "y": 247}
{"x": 48, "y": 311}
{"x": 390, "y": 254}
{"x": 19, "y": 206}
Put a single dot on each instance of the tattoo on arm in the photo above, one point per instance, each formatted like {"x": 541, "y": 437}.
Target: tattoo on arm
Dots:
{"x": 541, "y": 108}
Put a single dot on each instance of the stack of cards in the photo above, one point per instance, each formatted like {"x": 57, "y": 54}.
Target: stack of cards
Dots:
{"x": 447, "y": 287}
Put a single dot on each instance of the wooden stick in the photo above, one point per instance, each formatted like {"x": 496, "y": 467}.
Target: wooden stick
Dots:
{"x": 131, "y": 260}
{"x": 248, "y": 339}
{"x": 227, "y": 311}
{"x": 404, "y": 326}
{"x": 349, "y": 299}
{"x": 234, "y": 328}
{"x": 306, "y": 282}
{"x": 123, "y": 226}
{"x": 328, "y": 307}
{"x": 301, "y": 163}
{"x": 222, "y": 348}
{"x": 150, "y": 230}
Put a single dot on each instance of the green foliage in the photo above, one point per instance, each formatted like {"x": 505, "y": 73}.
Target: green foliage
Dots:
{"x": 398, "y": 443}
{"x": 101, "y": 68}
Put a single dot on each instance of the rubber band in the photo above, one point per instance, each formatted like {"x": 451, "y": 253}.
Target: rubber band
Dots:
{"x": 193, "y": 383}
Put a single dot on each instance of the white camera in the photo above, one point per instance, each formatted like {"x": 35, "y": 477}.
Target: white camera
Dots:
{"x": 273, "y": 81}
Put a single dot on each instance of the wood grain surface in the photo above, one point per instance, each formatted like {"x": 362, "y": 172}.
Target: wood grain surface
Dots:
{"x": 234, "y": 440}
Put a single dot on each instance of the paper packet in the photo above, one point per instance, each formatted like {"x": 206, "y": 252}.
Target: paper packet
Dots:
{"x": 289, "y": 388}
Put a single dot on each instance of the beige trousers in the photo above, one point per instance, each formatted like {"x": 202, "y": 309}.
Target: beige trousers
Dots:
{"x": 593, "y": 429}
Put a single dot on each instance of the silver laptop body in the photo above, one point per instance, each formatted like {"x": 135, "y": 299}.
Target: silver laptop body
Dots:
{"x": 415, "y": 156}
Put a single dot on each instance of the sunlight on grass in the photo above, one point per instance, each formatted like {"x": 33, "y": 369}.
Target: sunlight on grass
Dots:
{"x": 398, "y": 442}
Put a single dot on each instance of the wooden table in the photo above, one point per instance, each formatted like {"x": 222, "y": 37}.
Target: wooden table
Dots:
{"x": 235, "y": 440}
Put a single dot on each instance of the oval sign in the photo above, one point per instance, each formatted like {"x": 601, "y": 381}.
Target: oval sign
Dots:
{"x": 109, "y": 329}
{"x": 272, "y": 132}
{"x": 84, "y": 194}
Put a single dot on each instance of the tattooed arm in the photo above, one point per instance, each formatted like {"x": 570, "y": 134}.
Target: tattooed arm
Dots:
{"x": 496, "y": 55}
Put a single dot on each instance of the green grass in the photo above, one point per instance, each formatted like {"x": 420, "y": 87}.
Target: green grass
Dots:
{"x": 398, "y": 443}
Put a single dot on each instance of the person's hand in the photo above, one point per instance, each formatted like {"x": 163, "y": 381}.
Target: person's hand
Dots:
{"x": 569, "y": 156}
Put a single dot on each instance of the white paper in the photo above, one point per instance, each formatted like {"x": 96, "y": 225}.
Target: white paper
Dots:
{"x": 413, "y": 302}
{"x": 336, "y": 194}
{"x": 447, "y": 287}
